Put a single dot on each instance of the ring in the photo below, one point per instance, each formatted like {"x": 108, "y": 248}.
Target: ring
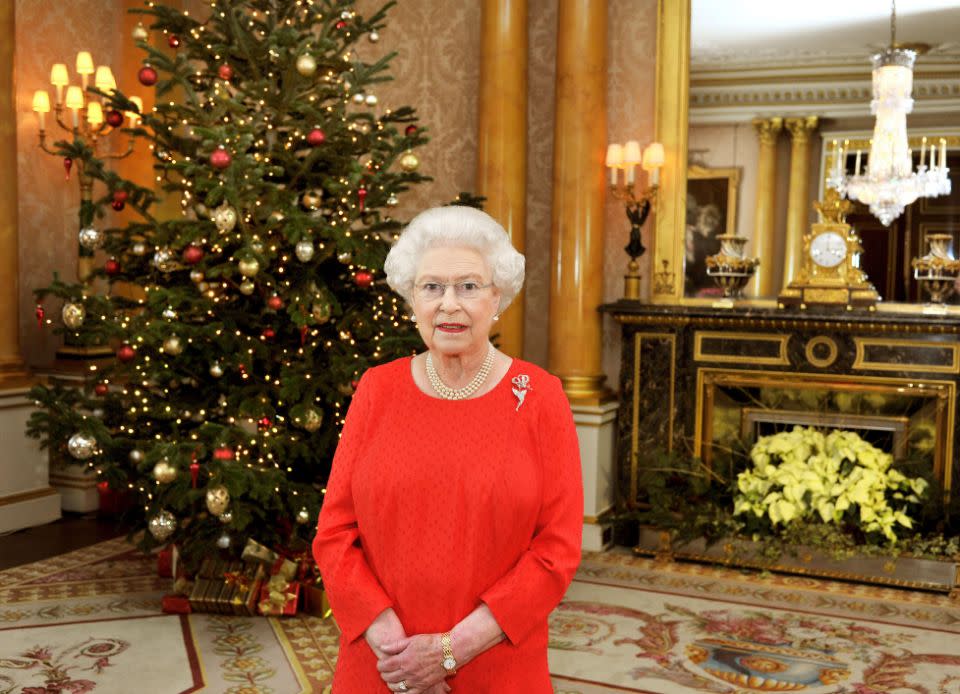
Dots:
{"x": 402, "y": 686}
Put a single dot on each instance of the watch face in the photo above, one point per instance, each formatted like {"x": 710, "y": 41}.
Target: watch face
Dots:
{"x": 448, "y": 663}
{"x": 828, "y": 249}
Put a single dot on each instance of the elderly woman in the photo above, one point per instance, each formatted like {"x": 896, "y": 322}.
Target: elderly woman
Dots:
{"x": 452, "y": 519}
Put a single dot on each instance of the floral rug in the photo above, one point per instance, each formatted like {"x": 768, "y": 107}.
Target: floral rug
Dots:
{"x": 90, "y": 621}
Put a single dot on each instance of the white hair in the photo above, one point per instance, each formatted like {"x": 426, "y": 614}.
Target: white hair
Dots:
{"x": 459, "y": 226}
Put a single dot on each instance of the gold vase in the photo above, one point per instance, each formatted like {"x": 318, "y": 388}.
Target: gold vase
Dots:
{"x": 729, "y": 268}
{"x": 938, "y": 270}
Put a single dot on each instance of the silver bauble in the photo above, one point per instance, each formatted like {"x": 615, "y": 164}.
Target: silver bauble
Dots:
{"x": 140, "y": 32}
{"x": 346, "y": 14}
{"x": 91, "y": 238}
{"x": 303, "y": 516}
{"x": 216, "y": 370}
{"x": 225, "y": 217}
{"x": 373, "y": 37}
{"x": 82, "y": 446}
{"x": 371, "y": 100}
{"x": 223, "y": 542}
{"x": 358, "y": 98}
{"x": 249, "y": 267}
{"x": 138, "y": 248}
{"x": 393, "y": 200}
{"x": 247, "y": 287}
{"x": 73, "y": 315}
{"x": 345, "y": 257}
{"x": 164, "y": 472}
{"x": 306, "y": 65}
{"x": 135, "y": 456}
{"x": 162, "y": 525}
{"x": 304, "y": 250}
{"x": 320, "y": 312}
{"x": 196, "y": 276}
{"x": 312, "y": 419}
{"x": 218, "y": 498}
{"x": 226, "y": 517}
{"x": 97, "y": 412}
{"x": 164, "y": 260}
{"x": 169, "y": 313}
{"x": 172, "y": 345}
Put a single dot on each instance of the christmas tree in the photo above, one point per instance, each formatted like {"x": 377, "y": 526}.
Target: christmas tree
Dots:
{"x": 261, "y": 303}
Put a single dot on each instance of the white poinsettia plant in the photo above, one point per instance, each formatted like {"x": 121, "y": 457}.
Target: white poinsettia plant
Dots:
{"x": 837, "y": 477}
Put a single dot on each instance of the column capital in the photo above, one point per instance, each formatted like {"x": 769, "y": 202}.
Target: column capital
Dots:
{"x": 801, "y": 128}
{"x": 768, "y": 129}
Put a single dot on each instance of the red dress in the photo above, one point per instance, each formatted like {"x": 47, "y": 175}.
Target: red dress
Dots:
{"x": 434, "y": 506}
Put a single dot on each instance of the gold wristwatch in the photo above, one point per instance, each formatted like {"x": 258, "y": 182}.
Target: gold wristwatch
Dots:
{"x": 449, "y": 663}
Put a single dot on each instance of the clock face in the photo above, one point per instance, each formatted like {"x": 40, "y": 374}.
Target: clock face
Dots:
{"x": 828, "y": 249}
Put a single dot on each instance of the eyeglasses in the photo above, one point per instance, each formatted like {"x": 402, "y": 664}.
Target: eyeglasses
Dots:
{"x": 431, "y": 291}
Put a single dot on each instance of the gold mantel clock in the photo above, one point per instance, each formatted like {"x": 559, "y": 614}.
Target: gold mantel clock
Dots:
{"x": 830, "y": 273}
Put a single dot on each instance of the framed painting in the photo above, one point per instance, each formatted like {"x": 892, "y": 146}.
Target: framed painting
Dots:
{"x": 711, "y": 211}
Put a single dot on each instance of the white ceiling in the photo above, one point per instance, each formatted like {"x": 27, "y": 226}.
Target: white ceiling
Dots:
{"x": 729, "y": 31}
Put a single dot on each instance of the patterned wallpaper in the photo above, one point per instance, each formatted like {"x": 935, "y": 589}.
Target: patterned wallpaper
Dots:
{"x": 436, "y": 71}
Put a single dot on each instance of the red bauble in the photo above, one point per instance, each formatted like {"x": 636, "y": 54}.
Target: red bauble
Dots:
{"x": 173, "y": 41}
{"x": 275, "y": 302}
{"x": 268, "y": 333}
{"x": 147, "y": 76}
{"x": 411, "y": 130}
{"x": 192, "y": 254}
{"x": 126, "y": 353}
{"x": 101, "y": 389}
{"x": 341, "y": 24}
{"x": 67, "y": 164}
{"x": 40, "y": 313}
{"x": 363, "y": 279}
{"x": 225, "y": 72}
{"x": 111, "y": 267}
{"x": 120, "y": 195}
{"x": 194, "y": 473}
{"x": 354, "y": 383}
{"x": 223, "y": 453}
{"x": 114, "y": 118}
{"x": 264, "y": 423}
{"x": 220, "y": 159}
{"x": 316, "y": 137}
{"x": 303, "y": 335}
{"x": 362, "y": 197}
{"x": 118, "y": 205}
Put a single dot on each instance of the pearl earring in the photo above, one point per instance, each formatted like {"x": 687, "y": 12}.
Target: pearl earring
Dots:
{"x": 496, "y": 316}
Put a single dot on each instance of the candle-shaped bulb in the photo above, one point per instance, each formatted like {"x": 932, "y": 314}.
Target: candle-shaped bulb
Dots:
{"x": 631, "y": 158}
{"x": 59, "y": 79}
{"x": 653, "y": 158}
{"x": 104, "y": 80}
{"x": 614, "y": 161}
{"x": 41, "y": 105}
{"x": 74, "y": 102}
{"x": 94, "y": 113}
{"x": 134, "y": 116}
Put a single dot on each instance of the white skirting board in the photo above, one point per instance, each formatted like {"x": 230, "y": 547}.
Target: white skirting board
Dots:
{"x": 596, "y": 430}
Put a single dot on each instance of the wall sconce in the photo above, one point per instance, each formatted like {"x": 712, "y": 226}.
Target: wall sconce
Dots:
{"x": 627, "y": 157}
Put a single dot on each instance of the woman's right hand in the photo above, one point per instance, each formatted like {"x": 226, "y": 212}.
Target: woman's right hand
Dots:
{"x": 386, "y": 628}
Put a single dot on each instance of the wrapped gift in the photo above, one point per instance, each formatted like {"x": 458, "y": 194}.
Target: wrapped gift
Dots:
{"x": 254, "y": 552}
{"x": 207, "y": 585}
{"x": 315, "y": 600}
{"x": 245, "y": 583}
{"x": 176, "y": 604}
{"x": 281, "y": 594}
{"x": 168, "y": 562}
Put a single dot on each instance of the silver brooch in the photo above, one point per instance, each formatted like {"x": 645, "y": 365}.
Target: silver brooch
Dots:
{"x": 521, "y": 385}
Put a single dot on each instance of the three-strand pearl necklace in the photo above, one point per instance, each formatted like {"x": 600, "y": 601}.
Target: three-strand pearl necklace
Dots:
{"x": 448, "y": 393}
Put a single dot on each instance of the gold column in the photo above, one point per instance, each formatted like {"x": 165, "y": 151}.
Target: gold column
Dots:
{"x": 576, "y": 228}
{"x": 798, "y": 199}
{"x": 502, "y": 137}
{"x": 12, "y": 369}
{"x": 768, "y": 129}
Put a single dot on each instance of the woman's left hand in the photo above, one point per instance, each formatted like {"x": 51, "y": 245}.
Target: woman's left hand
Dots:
{"x": 415, "y": 661}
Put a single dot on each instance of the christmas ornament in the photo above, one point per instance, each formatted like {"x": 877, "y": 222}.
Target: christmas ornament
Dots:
{"x": 303, "y": 335}
{"x": 126, "y": 353}
{"x": 306, "y": 64}
{"x": 73, "y": 315}
{"x": 223, "y": 542}
{"x": 316, "y": 137}
{"x": 311, "y": 199}
{"x": 247, "y": 287}
{"x": 91, "y": 238}
{"x": 101, "y": 389}
{"x": 39, "y": 313}
{"x": 194, "y": 471}
{"x": 276, "y": 217}
{"x": 373, "y": 37}
{"x": 138, "y": 248}
{"x": 226, "y": 517}
{"x": 136, "y": 456}
{"x": 312, "y": 419}
{"x": 303, "y": 516}
{"x": 225, "y": 217}
{"x": 363, "y": 279}
{"x": 82, "y": 446}
{"x": 409, "y": 161}
{"x": 118, "y": 205}
{"x": 362, "y": 197}
{"x": 264, "y": 423}
{"x": 249, "y": 267}
{"x": 147, "y": 76}
{"x": 393, "y": 200}
{"x": 371, "y": 99}
{"x": 346, "y": 14}
{"x": 114, "y": 118}
{"x": 173, "y": 41}
{"x": 173, "y": 346}
{"x": 67, "y": 165}
{"x": 216, "y": 370}
{"x": 410, "y": 130}
{"x": 164, "y": 472}
{"x": 275, "y": 303}
{"x": 304, "y": 250}
{"x": 223, "y": 453}
{"x": 256, "y": 247}
{"x": 218, "y": 498}
{"x": 345, "y": 257}
{"x": 358, "y": 98}
{"x": 268, "y": 333}
{"x": 162, "y": 525}
{"x": 111, "y": 266}
{"x": 140, "y": 32}
{"x": 169, "y": 313}
{"x": 220, "y": 158}
{"x": 164, "y": 261}
{"x": 341, "y": 24}
{"x": 321, "y": 312}
{"x": 192, "y": 254}
{"x": 196, "y": 276}
{"x": 120, "y": 195}
{"x": 225, "y": 72}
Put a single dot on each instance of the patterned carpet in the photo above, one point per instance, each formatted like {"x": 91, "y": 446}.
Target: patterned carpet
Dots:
{"x": 90, "y": 621}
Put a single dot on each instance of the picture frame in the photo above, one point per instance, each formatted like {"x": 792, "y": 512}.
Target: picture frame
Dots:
{"x": 712, "y": 196}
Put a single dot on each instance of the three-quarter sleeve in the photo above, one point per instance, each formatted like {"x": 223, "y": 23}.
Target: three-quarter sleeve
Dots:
{"x": 355, "y": 594}
{"x": 524, "y": 597}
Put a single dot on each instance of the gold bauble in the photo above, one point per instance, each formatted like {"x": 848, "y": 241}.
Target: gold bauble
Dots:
{"x": 140, "y": 32}
{"x": 164, "y": 472}
{"x": 320, "y": 312}
{"x": 312, "y": 419}
{"x": 218, "y": 498}
{"x": 303, "y": 516}
{"x": 172, "y": 345}
{"x": 311, "y": 199}
{"x": 247, "y": 287}
{"x": 225, "y": 217}
{"x": 306, "y": 65}
{"x": 249, "y": 267}
{"x": 162, "y": 525}
{"x": 73, "y": 315}
{"x": 276, "y": 217}
{"x": 409, "y": 161}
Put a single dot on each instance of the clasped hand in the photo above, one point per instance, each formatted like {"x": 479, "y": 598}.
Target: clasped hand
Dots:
{"x": 414, "y": 661}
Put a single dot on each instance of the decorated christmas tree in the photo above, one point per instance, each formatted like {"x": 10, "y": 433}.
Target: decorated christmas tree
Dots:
{"x": 240, "y": 323}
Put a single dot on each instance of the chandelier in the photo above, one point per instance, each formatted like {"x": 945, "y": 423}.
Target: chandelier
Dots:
{"x": 889, "y": 183}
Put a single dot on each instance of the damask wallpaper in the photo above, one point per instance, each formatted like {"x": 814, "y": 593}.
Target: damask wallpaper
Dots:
{"x": 436, "y": 71}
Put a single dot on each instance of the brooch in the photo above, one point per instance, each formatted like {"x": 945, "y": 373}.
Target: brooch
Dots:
{"x": 521, "y": 385}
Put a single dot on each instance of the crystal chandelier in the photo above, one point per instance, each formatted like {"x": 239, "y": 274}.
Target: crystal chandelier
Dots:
{"x": 889, "y": 182}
